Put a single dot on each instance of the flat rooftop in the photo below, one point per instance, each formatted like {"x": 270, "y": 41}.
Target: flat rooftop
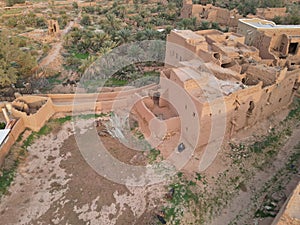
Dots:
{"x": 266, "y": 24}
{"x": 208, "y": 85}
{"x": 188, "y": 34}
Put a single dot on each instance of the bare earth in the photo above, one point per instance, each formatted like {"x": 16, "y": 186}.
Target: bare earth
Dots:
{"x": 56, "y": 186}
{"x": 242, "y": 204}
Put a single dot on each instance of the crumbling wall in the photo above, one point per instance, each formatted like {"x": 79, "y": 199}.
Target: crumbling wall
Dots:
{"x": 289, "y": 213}
{"x": 145, "y": 116}
{"x": 267, "y": 75}
{"x": 182, "y": 49}
{"x": 35, "y": 121}
{"x": 273, "y": 42}
{"x": 270, "y": 13}
{"x": 186, "y": 11}
{"x": 53, "y": 28}
{"x": 208, "y": 12}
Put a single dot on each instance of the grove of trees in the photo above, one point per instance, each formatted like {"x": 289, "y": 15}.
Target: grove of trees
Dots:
{"x": 14, "y": 62}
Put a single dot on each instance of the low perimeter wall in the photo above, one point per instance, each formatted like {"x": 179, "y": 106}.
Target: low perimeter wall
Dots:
{"x": 55, "y": 103}
{"x": 15, "y": 132}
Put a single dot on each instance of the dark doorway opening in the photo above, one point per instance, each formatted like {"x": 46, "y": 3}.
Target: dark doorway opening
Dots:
{"x": 293, "y": 48}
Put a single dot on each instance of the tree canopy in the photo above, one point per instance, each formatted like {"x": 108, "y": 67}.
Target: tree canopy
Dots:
{"x": 14, "y": 62}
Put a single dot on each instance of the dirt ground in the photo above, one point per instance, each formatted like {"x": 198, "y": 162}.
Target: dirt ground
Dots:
{"x": 243, "y": 206}
{"x": 56, "y": 186}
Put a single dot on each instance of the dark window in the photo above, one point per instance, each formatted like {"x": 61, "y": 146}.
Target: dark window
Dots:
{"x": 293, "y": 48}
{"x": 251, "y": 107}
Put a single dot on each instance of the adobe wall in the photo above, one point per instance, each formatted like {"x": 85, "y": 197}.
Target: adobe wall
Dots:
{"x": 237, "y": 114}
{"x": 229, "y": 111}
{"x": 245, "y": 30}
{"x": 186, "y": 11}
{"x": 289, "y": 213}
{"x": 181, "y": 49}
{"x": 104, "y": 102}
{"x": 263, "y": 73}
{"x": 103, "y": 96}
{"x": 17, "y": 129}
{"x": 269, "y": 40}
{"x": 270, "y": 13}
{"x": 144, "y": 116}
{"x": 37, "y": 120}
{"x": 154, "y": 129}
{"x": 222, "y": 16}
{"x": 241, "y": 109}
{"x": 210, "y": 13}
{"x": 187, "y": 107}
{"x": 276, "y": 34}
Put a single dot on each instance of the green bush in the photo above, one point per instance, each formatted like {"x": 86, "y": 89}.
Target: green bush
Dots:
{"x": 2, "y": 125}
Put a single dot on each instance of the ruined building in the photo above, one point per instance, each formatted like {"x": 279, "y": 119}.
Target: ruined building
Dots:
{"x": 219, "y": 86}
{"x": 271, "y": 13}
{"x": 53, "y": 28}
{"x": 278, "y": 43}
{"x": 210, "y": 13}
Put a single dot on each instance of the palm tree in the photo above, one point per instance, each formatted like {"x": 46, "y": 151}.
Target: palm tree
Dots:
{"x": 149, "y": 34}
{"x": 124, "y": 35}
{"x": 84, "y": 45}
{"x": 122, "y": 11}
{"x": 98, "y": 40}
{"x": 139, "y": 20}
{"x": 86, "y": 63}
{"x": 135, "y": 53}
{"x": 113, "y": 21}
{"x": 106, "y": 47}
{"x": 188, "y": 24}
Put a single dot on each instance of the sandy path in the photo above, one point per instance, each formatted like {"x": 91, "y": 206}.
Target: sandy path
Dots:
{"x": 54, "y": 54}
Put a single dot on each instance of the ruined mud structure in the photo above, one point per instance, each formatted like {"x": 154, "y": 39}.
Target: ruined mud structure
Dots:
{"x": 277, "y": 43}
{"x": 220, "y": 86}
{"x": 229, "y": 84}
{"x": 53, "y": 28}
{"x": 210, "y": 13}
{"x": 271, "y": 13}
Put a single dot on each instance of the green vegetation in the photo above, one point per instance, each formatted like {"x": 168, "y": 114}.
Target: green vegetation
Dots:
{"x": 54, "y": 79}
{"x": 153, "y": 154}
{"x": 293, "y": 16}
{"x": 26, "y": 21}
{"x": 7, "y": 174}
{"x": 13, "y": 2}
{"x": 2, "y": 125}
{"x": 90, "y": 116}
{"x": 43, "y": 131}
{"x": 14, "y": 63}
{"x": 62, "y": 120}
{"x": 271, "y": 193}
{"x": 205, "y": 197}
{"x": 7, "y": 178}
{"x": 182, "y": 195}
{"x": 246, "y": 7}
{"x": 18, "y": 153}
